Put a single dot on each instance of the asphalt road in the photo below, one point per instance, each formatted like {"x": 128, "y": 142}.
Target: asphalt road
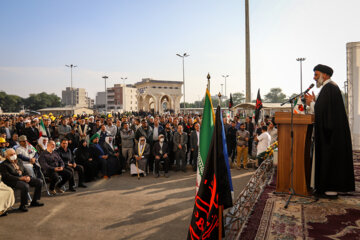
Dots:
{"x": 121, "y": 207}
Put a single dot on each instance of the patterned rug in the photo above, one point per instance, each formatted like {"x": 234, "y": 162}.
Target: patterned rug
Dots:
{"x": 304, "y": 218}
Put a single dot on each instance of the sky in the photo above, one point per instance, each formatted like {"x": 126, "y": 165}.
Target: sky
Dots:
{"x": 140, "y": 39}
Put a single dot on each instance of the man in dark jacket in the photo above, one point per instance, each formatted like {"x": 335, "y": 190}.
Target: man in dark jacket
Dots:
{"x": 15, "y": 175}
{"x": 31, "y": 132}
{"x": 66, "y": 155}
{"x": 231, "y": 140}
{"x": 161, "y": 153}
{"x": 53, "y": 166}
{"x": 180, "y": 148}
{"x": 194, "y": 145}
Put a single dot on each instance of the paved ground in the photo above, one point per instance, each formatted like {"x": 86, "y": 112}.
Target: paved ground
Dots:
{"x": 119, "y": 208}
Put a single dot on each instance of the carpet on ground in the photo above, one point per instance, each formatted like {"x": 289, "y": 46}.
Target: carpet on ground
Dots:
{"x": 258, "y": 213}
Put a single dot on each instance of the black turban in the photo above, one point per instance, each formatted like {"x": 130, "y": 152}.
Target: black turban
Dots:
{"x": 324, "y": 69}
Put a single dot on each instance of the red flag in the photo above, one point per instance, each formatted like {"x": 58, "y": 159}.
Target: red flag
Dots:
{"x": 258, "y": 107}
{"x": 214, "y": 193}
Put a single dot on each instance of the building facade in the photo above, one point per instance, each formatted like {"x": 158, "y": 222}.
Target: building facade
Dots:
{"x": 77, "y": 97}
{"x": 353, "y": 89}
{"x": 158, "y": 96}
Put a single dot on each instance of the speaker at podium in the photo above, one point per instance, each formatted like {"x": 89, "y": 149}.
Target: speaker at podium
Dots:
{"x": 302, "y": 130}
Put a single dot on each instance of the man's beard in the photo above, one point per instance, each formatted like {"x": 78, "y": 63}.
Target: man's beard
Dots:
{"x": 320, "y": 81}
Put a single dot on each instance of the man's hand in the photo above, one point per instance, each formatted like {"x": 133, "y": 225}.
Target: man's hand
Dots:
{"x": 310, "y": 98}
{"x": 246, "y": 139}
{"x": 165, "y": 155}
{"x": 138, "y": 158}
{"x": 180, "y": 147}
{"x": 27, "y": 179}
{"x": 70, "y": 165}
{"x": 58, "y": 169}
{"x": 32, "y": 160}
{"x": 157, "y": 157}
{"x": 90, "y": 159}
{"x": 74, "y": 165}
{"x": 105, "y": 156}
{"x": 192, "y": 149}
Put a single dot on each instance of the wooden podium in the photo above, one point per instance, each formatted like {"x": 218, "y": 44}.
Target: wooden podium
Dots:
{"x": 302, "y": 127}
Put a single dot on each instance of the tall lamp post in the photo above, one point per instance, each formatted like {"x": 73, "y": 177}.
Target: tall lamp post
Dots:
{"x": 225, "y": 76}
{"x": 300, "y": 60}
{"x": 183, "y": 65}
{"x": 105, "y": 77}
{"x": 71, "y": 66}
{"x": 222, "y": 85}
{"x": 124, "y": 99}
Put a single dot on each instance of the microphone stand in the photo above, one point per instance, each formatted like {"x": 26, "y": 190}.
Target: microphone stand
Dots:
{"x": 292, "y": 190}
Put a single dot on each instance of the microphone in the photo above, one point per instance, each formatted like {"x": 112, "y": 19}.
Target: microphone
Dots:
{"x": 310, "y": 87}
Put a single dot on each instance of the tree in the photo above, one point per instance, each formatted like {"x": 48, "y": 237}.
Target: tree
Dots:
{"x": 275, "y": 96}
{"x": 42, "y": 100}
{"x": 237, "y": 97}
{"x": 10, "y": 103}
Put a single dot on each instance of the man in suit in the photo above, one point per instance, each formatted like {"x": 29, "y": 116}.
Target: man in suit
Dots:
{"x": 180, "y": 144}
{"x": 31, "y": 132}
{"x": 194, "y": 145}
{"x": 15, "y": 175}
{"x": 161, "y": 153}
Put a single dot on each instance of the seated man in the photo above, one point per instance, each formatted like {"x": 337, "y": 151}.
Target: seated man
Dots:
{"x": 70, "y": 164}
{"x": 98, "y": 155}
{"x": 113, "y": 162}
{"x": 15, "y": 175}
{"x": 53, "y": 166}
{"x": 161, "y": 153}
{"x": 28, "y": 155}
{"x": 141, "y": 156}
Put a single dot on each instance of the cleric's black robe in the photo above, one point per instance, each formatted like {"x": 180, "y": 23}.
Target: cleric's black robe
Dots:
{"x": 334, "y": 170}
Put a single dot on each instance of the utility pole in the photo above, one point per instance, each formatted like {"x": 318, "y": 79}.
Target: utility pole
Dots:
{"x": 247, "y": 34}
{"x": 71, "y": 66}
{"x": 105, "y": 77}
{"x": 225, "y": 76}
{"x": 300, "y": 60}
{"x": 183, "y": 65}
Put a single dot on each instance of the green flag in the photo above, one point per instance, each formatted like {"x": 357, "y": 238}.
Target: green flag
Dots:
{"x": 206, "y": 132}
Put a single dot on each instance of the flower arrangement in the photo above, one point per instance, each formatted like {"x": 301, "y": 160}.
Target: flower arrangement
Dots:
{"x": 269, "y": 151}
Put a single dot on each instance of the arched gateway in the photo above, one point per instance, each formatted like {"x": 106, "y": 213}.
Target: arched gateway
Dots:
{"x": 158, "y": 96}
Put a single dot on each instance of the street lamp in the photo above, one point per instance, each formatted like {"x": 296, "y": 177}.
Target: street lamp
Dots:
{"x": 105, "y": 77}
{"x": 300, "y": 60}
{"x": 183, "y": 57}
{"x": 71, "y": 66}
{"x": 124, "y": 99}
{"x": 225, "y": 76}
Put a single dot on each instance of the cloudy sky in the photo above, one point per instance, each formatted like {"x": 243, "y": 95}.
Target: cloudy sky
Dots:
{"x": 140, "y": 38}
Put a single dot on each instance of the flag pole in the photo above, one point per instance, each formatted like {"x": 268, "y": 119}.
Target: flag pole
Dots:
{"x": 220, "y": 222}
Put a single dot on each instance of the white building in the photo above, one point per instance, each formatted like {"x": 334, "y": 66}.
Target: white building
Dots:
{"x": 158, "y": 95}
{"x": 121, "y": 98}
{"x": 353, "y": 81}
{"x": 77, "y": 97}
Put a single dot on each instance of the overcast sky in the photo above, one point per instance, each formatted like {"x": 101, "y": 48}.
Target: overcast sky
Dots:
{"x": 139, "y": 39}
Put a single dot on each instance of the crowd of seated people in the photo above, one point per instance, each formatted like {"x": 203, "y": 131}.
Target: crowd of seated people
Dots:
{"x": 38, "y": 150}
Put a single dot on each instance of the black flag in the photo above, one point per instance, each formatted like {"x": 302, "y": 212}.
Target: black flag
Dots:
{"x": 230, "y": 102}
{"x": 258, "y": 107}
{"x": 214, "y": 190}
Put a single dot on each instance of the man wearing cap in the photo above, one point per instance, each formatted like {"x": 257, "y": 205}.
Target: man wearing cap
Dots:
{"x": 2, "y": 148}
{"x": 98, "y": 155}
{"x": 14, "y": 174}
{"x": 28, "y": 155}
{"x": 161, "y": 153}
{"x": 334, "y": 170}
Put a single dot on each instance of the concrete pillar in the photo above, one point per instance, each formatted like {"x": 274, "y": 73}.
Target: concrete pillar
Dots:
{"x": 353, "y": 81}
